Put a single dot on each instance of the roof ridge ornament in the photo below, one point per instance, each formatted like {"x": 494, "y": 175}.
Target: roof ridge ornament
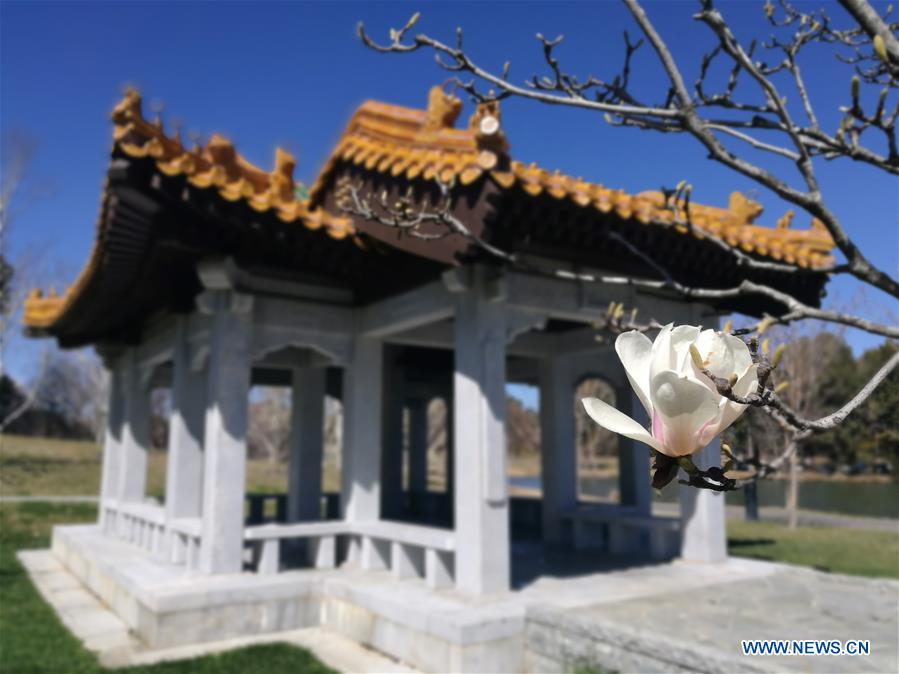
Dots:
{"x": 129, "y": 108}
{"x": 485, "y": 122}
{"x": 443, "y": 110}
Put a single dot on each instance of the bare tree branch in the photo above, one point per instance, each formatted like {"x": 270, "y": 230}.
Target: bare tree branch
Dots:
{"x": 680, "y": 112}
{"x": 767, "y": 126}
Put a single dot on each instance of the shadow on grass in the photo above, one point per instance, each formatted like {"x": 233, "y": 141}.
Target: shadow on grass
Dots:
{"x": 749, "y": 542}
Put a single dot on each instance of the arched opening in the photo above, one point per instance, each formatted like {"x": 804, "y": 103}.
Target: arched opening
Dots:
{"x": 597, "y": 448}
{"x": 157, "y": 458}
{"x": 438, "y": 455}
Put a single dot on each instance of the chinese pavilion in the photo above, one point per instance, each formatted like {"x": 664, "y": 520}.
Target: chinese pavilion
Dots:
{"x": 209, "y": 274}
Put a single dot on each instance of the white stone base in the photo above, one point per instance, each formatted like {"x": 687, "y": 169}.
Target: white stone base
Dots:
{"x": 167, "y": 606}
{"x": 554, "y": 624}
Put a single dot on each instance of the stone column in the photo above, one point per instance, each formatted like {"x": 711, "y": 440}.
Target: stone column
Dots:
{"x": 633, "y": 457}
{"x": 558, "y": 450}
{"x": 112, "y": 445}
{"x": 703, "y": 532}
{"x": 450, "y": 463}
{"x": 481, "y": 500}
{"x": 363, "y": 411}
{"x": 391, "y": 462}
{"x": 225, "y": 450}
{"x": 184, "y": 468}
{"x": 132, "y": 468}
{"x": 418, "y": 446}
{"x": 304, "y": 483}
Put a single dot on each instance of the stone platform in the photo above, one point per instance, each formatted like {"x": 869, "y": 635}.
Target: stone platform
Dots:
{"x": 663, "y": 617}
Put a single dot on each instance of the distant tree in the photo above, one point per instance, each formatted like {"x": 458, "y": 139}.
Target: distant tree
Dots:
{"x": 522, "y": 428}
{"x": 73, "y": 387}
{"x": 268, "y": 429}
{"x": 160, "y": 410}
{"x": 17, "y": 189}
{"x": 873, "y": 433}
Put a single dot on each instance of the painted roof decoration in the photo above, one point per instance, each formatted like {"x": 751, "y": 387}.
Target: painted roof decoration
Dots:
{"x": 424, "y": 144}
{"x": 416, "y": 144}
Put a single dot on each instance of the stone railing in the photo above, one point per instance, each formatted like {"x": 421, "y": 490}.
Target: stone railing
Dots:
{"x": 142, "y": 524}
{"x": 184, "y": 541}
{"x": 409, "y": 551}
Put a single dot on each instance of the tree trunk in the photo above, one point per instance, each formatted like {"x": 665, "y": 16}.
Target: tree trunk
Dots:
{"x": 751, "y": 492}
{"x": 793, "y": 491}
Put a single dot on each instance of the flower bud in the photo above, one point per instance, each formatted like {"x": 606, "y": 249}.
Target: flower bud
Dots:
{"x": 880, "y": 48}
{"x": 778, "y": 354}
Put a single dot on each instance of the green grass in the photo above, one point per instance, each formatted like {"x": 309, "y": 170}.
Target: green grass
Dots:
{"x": 51, "y": 467}
{"x": 838, "y": 550}
{"x": 33, "y": 641}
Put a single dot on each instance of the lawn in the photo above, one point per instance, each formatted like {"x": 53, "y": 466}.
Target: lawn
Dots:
{"x": 33, "y": 641}
{"x": 838, "y": 550}
{"x": 28, "y": 625}
{"x": 47, "y": 466}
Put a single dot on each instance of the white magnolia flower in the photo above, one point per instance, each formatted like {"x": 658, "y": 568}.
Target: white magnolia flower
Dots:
{"x": 686, "y": 410}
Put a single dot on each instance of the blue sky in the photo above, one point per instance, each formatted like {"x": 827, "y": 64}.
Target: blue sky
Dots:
{"x": 290, "y": 73}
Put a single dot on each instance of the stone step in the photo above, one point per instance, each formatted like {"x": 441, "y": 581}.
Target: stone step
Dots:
{"x": 102, "y": 632}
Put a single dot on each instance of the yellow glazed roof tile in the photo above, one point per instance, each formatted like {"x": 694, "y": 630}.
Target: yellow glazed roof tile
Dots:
{"x": 424, "y": 144}
{"x": 409, "y": 143}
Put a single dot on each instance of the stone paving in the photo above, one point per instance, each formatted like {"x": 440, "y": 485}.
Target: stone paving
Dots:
{"x": 677, "y": 617}
{"x": 699, "y": 627}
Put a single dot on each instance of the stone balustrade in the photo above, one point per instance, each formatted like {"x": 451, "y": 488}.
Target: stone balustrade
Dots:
{"x": 184, "y": 541}
{"x": 409, "y": 551}
{"x": 143, "y": 524}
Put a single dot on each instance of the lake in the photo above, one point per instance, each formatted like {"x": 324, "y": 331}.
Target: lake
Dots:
{"x": 863, "y": 499}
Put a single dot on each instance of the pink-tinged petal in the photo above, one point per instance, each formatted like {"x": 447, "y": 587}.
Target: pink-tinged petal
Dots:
{"x": 635, "y": 351}
{"x": 618, "y": 422}
{"x": 658, "y": 428}
{"x": 685, "y": 408}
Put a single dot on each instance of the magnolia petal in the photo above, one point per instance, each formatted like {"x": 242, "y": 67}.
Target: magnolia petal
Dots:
{"x": 661, "y": 352}
{"x": 685, "y": 409}
{"x": 681, "y": 338}
{"x": 618, "y": 422}
{"x": 744, "y": 386}
{"x": 635, "y": 351}
{"x": 725, "y": 354}
{"x": 729, "y": 411}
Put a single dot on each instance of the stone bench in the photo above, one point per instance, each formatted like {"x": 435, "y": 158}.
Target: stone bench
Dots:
{"x": 622, "y": 529}
{"x": 408, "y": 550}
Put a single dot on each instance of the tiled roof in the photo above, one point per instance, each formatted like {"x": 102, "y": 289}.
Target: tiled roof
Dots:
{"x": 424, "y": 144}
{"x": 215, "y": 166}
{"x": 417, "y": 144}
{"x": 219, "y": 166}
